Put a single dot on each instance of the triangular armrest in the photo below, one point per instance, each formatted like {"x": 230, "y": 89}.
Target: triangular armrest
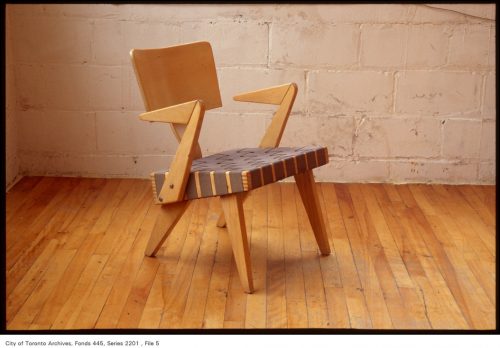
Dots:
{"x": 284, "y": 96}
{"x": 190, "y": 114}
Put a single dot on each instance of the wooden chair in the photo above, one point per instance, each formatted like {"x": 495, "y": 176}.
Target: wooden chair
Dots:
{"x": 178, "y": 84}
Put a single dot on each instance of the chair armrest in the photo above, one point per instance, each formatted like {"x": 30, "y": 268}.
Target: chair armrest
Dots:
{"x": 191, "y": 115}
{"x": 179, "y": 113}
{"x": 270, "y": 95}
{"x": 284, "y": 96}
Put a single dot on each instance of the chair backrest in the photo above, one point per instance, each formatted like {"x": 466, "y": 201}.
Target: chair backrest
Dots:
{"x": 177, "y": 74}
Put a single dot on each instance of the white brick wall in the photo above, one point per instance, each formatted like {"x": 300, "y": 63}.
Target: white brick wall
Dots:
{"x": 427, "y": 45}
{"x": 398, "y": 93}
{"x": 351, "y": 91}
{"x": 11, "y": 124}
{"x": 469, "y": 46}
{"x": 489, "y": 102}
{"x": 461, "y": 138}
{"x": 383, "y": 45}
{"x": 435, "y": 93}
{"x": 56, "y": 40}
{"x": 398, "y": 137}
{"x": 327, "y": 45}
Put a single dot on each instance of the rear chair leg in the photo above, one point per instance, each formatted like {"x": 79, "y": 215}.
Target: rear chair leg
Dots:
{"x": 232, "y": 206}
{"x": 222, "y": 220}
{"x": 307, "y": 188}
{"x": 165, "y": 222}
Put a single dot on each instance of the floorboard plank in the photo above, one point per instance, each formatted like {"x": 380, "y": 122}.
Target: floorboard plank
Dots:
{"x": 97, "y": 218}
{"x": 219, "y": 282}
{"x": 153, "y": 309}
{"x": 24, "y": 317}
{"x": 57, "y": 228}
{"x": 476, "y": 203}
{"x": 176, "y": 294}
{"x": 353, "y": 213}
{"x": 67, "y": 315}
{"x": 127, "y": 221}
{"x": 19, "y": 194}
{"x": 294, "y": 276}
{"x": 56, "y": 301}
{"x": 197, "y": 296}
{"x": 34, "y": 201}
{"x": 276, "y": 290}
{"x": 28, "y": 283}
{"x": 255, "y": 311}
{"x": 359, "y": 315}
{"x": 128, "y": 250}
{"x": 20, "y": 234}
{"x": 136, "y": 301}
{"x": 317, "y": 309}
{"x": 437, "y": 267}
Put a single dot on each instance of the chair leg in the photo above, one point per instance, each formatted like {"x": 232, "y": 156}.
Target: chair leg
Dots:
{"x": 232, "y": 205}
{"x": 307, "y": 188}
{"x": 221, "y": 222}
{"x": 165, "y": 222}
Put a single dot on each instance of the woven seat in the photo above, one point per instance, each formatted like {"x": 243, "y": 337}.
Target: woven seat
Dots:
{"x": 178, "y": 84}
{"x": 244, "y": 169}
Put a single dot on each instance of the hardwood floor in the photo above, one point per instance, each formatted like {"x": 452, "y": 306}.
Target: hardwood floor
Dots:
{"x": 403, "y": 257}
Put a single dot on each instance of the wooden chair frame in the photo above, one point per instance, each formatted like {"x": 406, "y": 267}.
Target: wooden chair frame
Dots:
{"x": 186, "y": 119}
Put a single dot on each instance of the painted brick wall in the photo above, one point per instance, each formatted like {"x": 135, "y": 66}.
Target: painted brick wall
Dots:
{"x": 398, "y": 93}
{"x": 11, "y": 140}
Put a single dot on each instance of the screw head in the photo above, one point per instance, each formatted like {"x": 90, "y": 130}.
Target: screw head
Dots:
{"x": 171, "y": 186}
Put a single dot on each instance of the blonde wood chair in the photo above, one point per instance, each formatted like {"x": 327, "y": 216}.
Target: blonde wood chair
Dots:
{"x": 178, "y": 84}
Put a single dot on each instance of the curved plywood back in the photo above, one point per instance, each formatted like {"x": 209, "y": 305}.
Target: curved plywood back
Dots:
{"x": 177, "y": 74}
